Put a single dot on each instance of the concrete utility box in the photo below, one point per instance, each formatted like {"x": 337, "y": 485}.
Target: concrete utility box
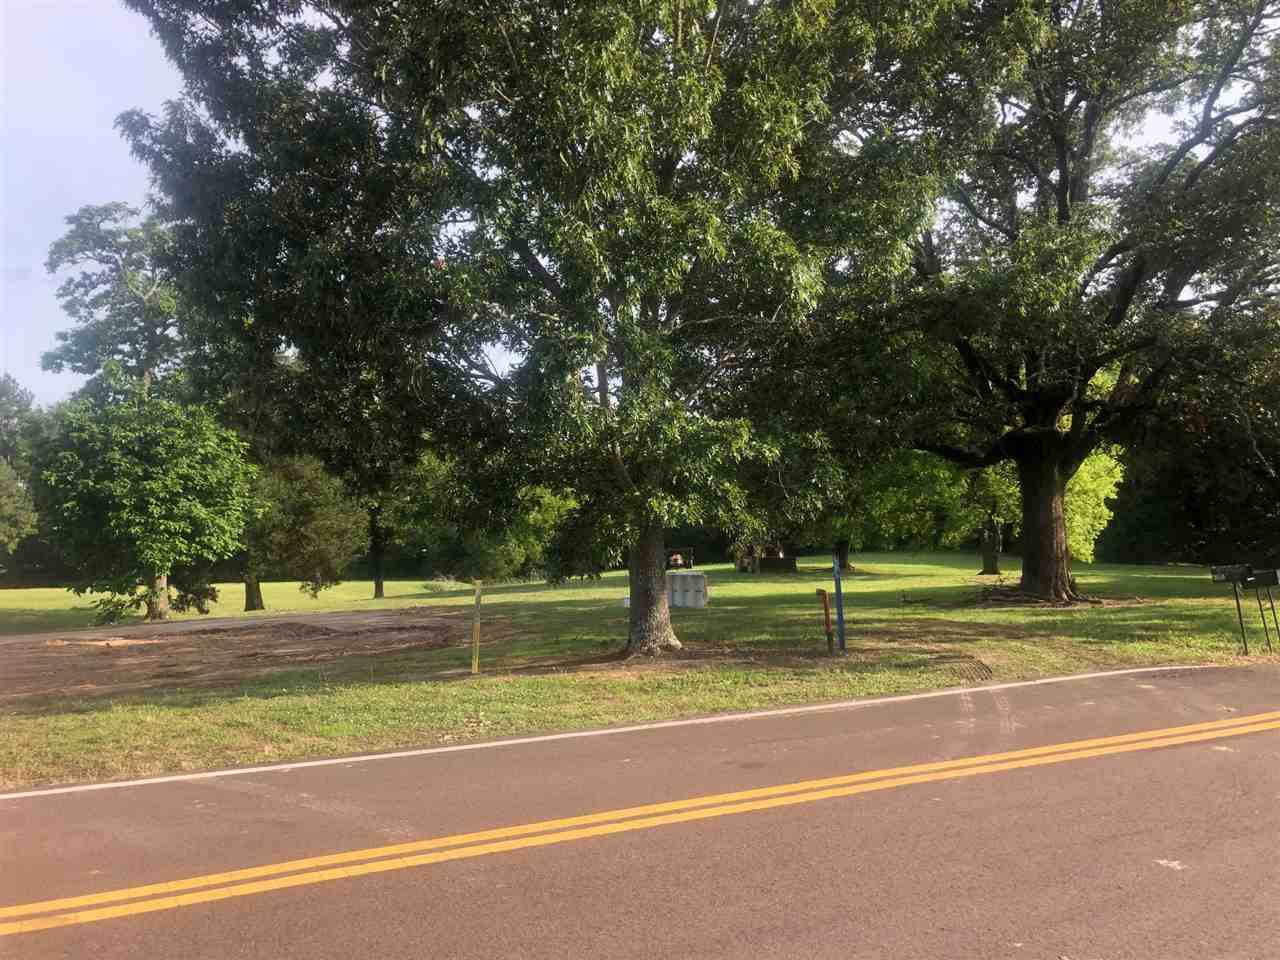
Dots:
{"x": 686, "y": 589}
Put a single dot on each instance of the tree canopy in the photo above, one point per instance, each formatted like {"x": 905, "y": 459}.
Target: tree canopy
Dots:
{"x": 1074, "y": 275}
{"x": 305, "y": 527}
{"x": 121, "y": 296}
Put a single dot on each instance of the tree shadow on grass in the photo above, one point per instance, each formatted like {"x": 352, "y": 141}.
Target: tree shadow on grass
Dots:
{"x": 1112, "y": 626}
{"x": 616, "y": 582}
{"x": 780, "y": 628}
{"x": 16, "y": 621}
{"x": 878, "y": 645}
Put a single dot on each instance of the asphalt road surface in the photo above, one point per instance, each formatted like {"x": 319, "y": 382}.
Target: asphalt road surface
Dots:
{"x": 1110, "y": 817}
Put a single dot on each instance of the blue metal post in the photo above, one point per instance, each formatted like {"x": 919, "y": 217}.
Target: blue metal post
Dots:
{"x": 835, "y": 566}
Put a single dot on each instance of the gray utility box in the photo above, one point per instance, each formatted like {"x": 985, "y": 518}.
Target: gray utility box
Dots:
{"x": 686, "y": 588}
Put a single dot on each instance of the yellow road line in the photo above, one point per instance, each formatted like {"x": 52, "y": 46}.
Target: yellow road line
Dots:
{"x": 991, "y": 764}
{"x": 418, "y": 846}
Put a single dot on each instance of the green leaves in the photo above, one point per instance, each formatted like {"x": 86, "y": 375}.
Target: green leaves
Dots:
{"x": 122, "y": 299}
{"x": 303, "y": 525}
{"x": 1090, "y": 495}
{"x": 135, "y": 486}
{"x": 920, "y": 501}
{"x": 1080, "y": 277}
{"x": 17, "y": 514}
{"x": 634, "y": 202}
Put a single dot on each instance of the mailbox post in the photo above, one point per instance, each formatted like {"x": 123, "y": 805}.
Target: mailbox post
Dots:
{"x": 1264, "y": 580}
{"x": 1233, "y": 573}
{"x": 1241, "y": 574}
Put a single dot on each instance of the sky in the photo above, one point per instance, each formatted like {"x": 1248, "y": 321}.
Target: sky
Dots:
{"x": 67, "y": 69}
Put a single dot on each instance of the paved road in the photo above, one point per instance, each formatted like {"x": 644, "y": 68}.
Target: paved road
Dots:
{"x": 1132, "y": 816}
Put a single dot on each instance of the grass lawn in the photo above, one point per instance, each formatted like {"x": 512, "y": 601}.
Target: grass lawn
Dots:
{"x": 548, "y": 665}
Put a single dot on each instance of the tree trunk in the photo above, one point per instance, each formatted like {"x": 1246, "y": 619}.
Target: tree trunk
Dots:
{"x": 253, "y": 593}
{"x": 158, "y": 599}
{"x": 1046, "y": 561}
{"x": 377, "y": 550}
{"x": 992, "y": 544}
{"x": 650, "y": 631}
{"x": 842, "y": 554}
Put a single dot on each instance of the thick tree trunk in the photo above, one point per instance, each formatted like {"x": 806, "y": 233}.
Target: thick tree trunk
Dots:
{"x": 992, "y": 544}
{"x": 253, "y": 593}
{"x": 377, "y": 550}
{"x": 1046, "y": 561}
{"x": 842, "y": 554}
{"x": 158, "y": 599}
{"x": 651, "y": 630}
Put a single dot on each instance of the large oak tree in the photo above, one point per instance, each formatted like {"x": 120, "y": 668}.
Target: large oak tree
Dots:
{"x": 1111, "y": 248}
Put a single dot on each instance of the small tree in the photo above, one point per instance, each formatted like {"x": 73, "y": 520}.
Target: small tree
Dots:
{"x": 306, "y": 527}
{"x": 460, "y": 522}
{"x": 134, "y": 486}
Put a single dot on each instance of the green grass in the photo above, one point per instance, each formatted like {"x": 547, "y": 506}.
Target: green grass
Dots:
{"x": 45, "y": 609}
{"x": 758, "y": 644}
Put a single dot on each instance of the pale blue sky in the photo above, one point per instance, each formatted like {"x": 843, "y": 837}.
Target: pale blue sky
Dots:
{"x": 67, "y": 68}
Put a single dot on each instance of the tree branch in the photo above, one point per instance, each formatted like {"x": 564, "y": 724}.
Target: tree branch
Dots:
{"x": 537, "y": 269}
{"x": 966, "y": 201}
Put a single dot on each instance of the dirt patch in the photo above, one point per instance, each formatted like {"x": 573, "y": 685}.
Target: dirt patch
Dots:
{"x": 190, "y": 656}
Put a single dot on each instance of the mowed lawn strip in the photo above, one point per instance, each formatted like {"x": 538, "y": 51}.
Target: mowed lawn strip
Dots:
{"x": 913, "y": 625}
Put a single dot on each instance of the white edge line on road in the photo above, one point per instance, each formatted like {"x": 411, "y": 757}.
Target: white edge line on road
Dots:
{"x": 579, "y": 734}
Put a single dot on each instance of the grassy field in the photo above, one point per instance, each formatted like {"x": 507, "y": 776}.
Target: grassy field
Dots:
{"x": 915, "y": 622}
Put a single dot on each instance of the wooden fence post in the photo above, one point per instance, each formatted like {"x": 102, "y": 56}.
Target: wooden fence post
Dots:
{"x": 475, "y": 634}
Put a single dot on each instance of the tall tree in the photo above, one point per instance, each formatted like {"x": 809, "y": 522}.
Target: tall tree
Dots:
{"x": 121, "y": 297}
{"x": 637, "y": 195}
{"x": 308, "y": 226}
{"x": 135, "y": 486}
{"x": 1090, "y": 263}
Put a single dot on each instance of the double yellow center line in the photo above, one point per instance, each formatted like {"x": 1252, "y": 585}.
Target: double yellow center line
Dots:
{"x": 169, "y": 895}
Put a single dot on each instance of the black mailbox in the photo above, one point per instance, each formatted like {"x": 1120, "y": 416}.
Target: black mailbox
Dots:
{"x": 1230, "y": 573}
{"x": 1263, "y": 578}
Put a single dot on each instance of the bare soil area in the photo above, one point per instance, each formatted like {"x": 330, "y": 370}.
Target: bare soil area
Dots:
{"x": 188, "y": 654}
